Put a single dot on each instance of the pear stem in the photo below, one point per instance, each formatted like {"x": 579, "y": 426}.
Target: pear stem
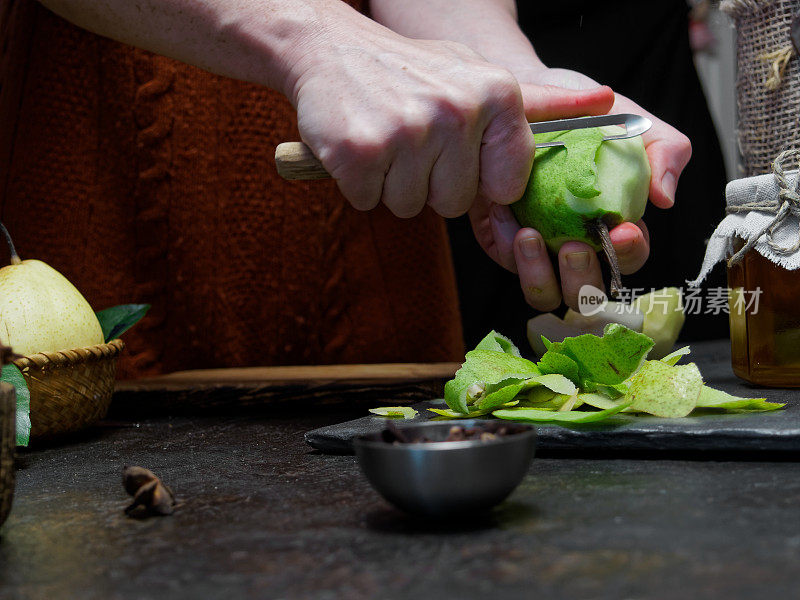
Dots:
{"x": 15, "y": 260}
{"x": 611, "y": 255}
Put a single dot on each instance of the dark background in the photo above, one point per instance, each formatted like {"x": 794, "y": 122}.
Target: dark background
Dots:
{"x": 640, "y": 49}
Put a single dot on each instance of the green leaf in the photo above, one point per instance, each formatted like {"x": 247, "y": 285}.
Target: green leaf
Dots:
{"x": 118, "y": 319}
{"x": 673, "y": 357}
{"x": 12, "y": 375}
{"x": 484, "y": 368}
{"x": 605, "y": 360}
{"x": 665, "y": 391}
{"x": 394, "y": 412}
{"x": 711, "y": 398}
{"x": 533, "y": 415}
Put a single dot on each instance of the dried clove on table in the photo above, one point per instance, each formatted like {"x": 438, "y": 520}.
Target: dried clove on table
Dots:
{"x": 150, "y": 495}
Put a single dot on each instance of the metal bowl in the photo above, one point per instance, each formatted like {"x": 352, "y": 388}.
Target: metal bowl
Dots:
{"x": 442, "y": 479}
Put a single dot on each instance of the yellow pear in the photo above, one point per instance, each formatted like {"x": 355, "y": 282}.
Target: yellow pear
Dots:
{"x": 40, "y": 310}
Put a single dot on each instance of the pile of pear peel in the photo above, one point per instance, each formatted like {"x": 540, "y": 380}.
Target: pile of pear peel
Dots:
{"x": 583, "y": 379}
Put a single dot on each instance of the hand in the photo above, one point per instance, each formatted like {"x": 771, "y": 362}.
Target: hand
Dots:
{"x": 412, "y": 122}
{"x": 516, "y": 248}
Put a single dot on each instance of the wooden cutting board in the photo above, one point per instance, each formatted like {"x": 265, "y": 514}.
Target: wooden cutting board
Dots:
{"x": 400, "y": 383}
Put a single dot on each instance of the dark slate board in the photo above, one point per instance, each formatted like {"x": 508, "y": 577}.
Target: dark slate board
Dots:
{"x": 777, "y": 431}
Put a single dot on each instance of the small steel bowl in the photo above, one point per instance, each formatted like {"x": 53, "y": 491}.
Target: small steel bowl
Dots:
{"x": 443, "y": 479}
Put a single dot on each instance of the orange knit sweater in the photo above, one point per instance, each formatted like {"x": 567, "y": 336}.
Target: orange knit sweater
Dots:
{"x": 142, "y": 179}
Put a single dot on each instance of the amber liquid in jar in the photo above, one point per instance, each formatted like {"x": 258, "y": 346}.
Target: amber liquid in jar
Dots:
{"x": 765, "y": 343}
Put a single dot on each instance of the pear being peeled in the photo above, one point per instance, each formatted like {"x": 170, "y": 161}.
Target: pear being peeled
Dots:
{"x": 574, "y": 187}
{"x": 41, "y": 311}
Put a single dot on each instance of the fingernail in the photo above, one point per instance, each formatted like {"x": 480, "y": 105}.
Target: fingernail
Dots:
{"x": 668, "y": 185}
{"x": 624, "y": 247}
{"x": 578, "y": 261}
{"x": 531, "y": 247}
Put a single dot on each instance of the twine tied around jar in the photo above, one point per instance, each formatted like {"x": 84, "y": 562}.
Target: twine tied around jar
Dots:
{"x": 778, "y": 61}
{"x": 788, "y": 202}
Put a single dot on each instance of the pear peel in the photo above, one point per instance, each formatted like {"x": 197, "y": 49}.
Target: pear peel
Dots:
{"x": 41, "y": 311}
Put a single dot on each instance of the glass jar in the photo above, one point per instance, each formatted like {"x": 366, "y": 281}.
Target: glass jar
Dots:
{"x": 764, "y": 309}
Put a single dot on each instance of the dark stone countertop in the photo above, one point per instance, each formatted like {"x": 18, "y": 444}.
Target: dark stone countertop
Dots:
{"x": 264, "y": 516}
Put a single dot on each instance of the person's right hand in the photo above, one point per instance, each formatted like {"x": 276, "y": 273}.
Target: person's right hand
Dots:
{"x": 408, "y": 122}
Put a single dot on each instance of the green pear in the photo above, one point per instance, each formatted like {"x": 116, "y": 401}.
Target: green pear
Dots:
{"x": 40, "y": 310}
{"x": 578, "y": 191}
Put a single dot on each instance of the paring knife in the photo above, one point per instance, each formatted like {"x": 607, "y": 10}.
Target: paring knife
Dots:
{"x": 294, "y": 160}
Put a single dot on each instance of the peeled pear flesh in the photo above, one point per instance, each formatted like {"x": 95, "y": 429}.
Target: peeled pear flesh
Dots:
{"x": 663, "y": 318}
{"x": 658, "y": 314}
{"x": 613, "y": 312}
{"x": 551, "y": 327}
{"x": 41, "y": 311}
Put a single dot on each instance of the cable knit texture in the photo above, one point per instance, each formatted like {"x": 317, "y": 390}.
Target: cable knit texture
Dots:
{"x": 142, "y": 179}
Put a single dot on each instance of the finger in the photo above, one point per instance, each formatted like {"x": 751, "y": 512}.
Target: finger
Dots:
{"x": 364, "y": 192}
{"x": 361, "y": 178}
{"x": 546, "y": 102}
{"x": 631, "y": 245}
{"x": 453, "y": 181}
{"x": 504, "y": 228}
{"x": 668, "y": 151}
{"x": 668, "y": 156}
{"x": 506, "y": 154}
{"x": 578, "y": 265}
{"x": 536, "y": 276}
{"x": 405, "y": 188}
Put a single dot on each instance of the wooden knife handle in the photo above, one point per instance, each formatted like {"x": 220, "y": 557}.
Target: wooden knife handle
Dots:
{"x": 294, "y": 160}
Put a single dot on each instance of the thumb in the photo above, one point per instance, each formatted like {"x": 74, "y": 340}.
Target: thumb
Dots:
{"x": 547, "y": 102}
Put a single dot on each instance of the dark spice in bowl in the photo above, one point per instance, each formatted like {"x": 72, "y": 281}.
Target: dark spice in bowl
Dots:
{"x": 482, "y": 432}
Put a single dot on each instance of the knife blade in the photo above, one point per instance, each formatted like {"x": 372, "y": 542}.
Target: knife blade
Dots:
{"x": 295, "y": 161}
{"x": 634, "y": 125}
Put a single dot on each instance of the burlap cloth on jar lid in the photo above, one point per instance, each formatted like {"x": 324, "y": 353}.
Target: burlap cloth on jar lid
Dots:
{"x": 765, "y": 212}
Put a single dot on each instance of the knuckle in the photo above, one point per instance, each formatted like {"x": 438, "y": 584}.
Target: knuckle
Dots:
{"x": 502, "y": 87}
{"x": 361, "y": 148}
{"x": 458, "y": 109}
{"x": 414, "y": 128}
{"x": 685, "y": 148}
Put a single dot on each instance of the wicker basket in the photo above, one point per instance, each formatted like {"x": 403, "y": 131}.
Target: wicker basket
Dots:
{"x": 70, "y": 389}
{"x": 8, "y": 441}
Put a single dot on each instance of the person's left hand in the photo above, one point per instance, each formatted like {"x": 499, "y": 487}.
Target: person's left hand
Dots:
{"x": 522, "y": 250}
